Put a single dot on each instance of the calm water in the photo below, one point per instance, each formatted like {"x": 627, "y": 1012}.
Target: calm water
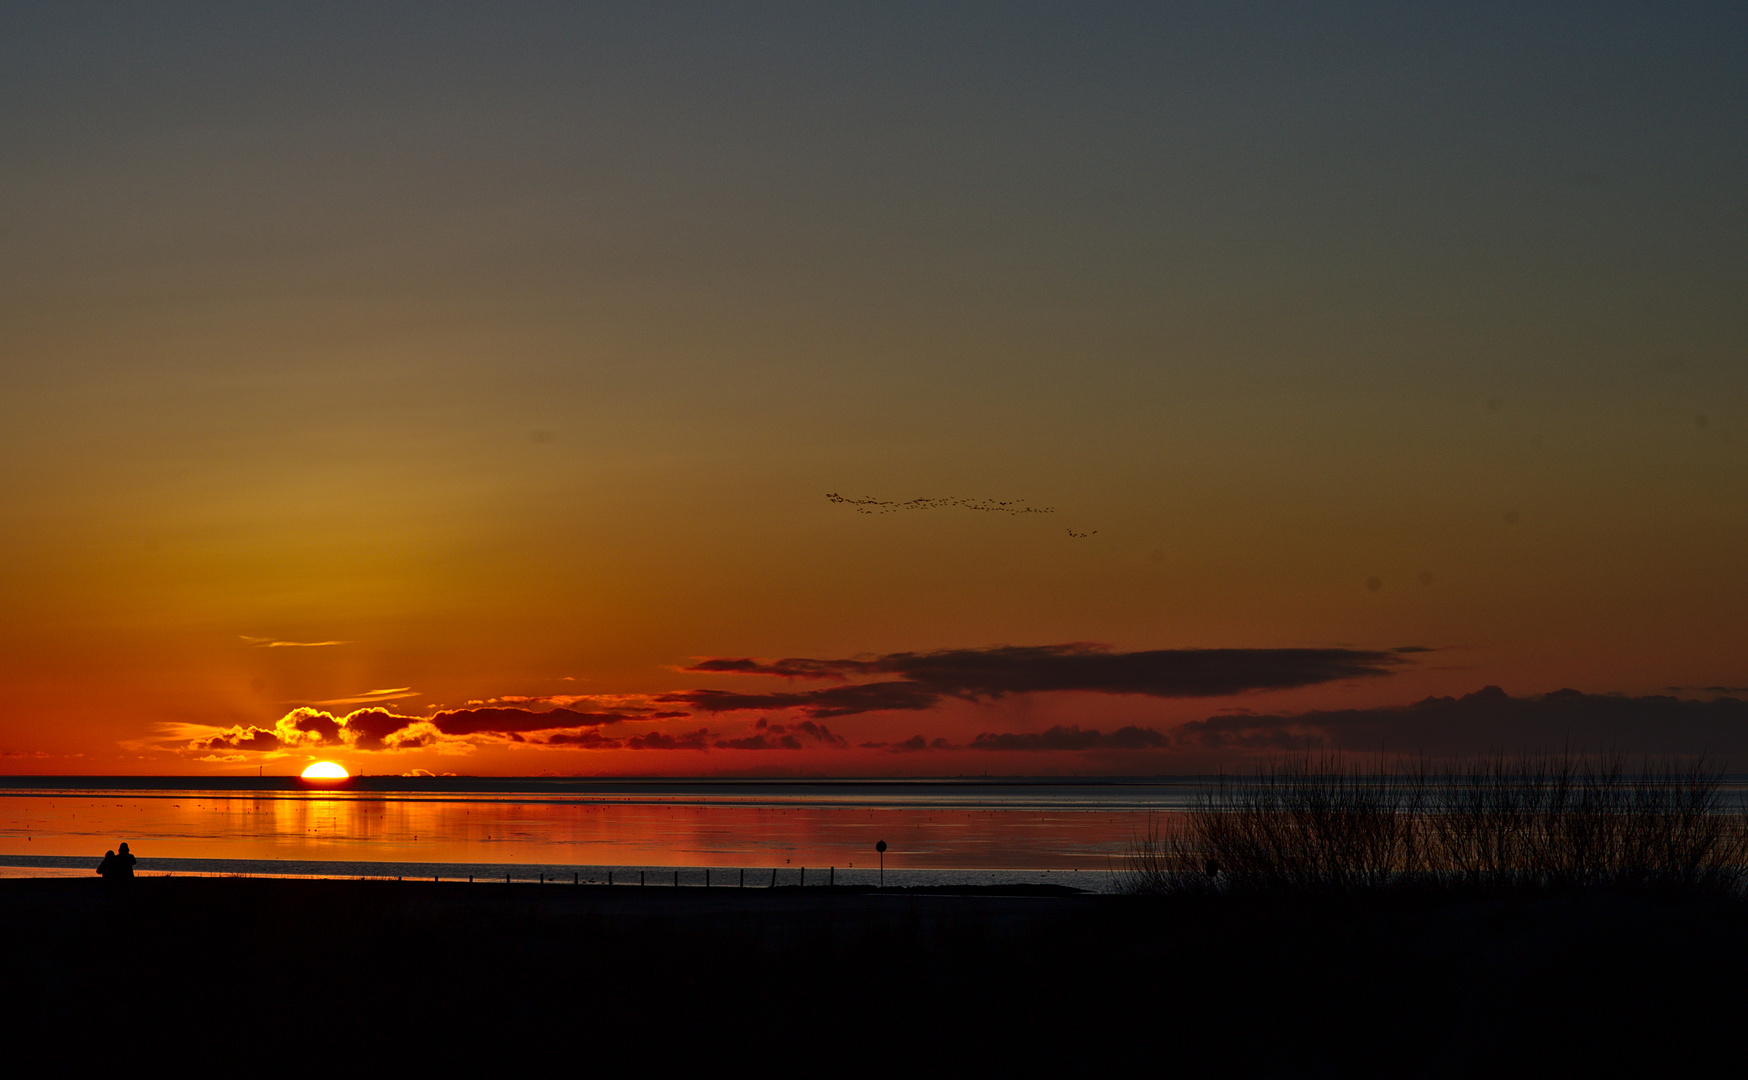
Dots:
{"x": 1073, "y": 833}
{"x": 1069, "y": 832}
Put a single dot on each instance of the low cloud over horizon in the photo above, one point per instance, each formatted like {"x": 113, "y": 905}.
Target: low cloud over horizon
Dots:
{"x": 926, "y": 679}
{"x": 1487, "y": 720}
{"x": 1491, "y": 720}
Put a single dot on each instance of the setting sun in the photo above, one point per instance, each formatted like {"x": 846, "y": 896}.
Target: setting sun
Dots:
{"x": 325, "y": 770}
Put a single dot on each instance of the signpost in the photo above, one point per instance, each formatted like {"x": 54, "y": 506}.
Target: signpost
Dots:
{"x": 881, "y": 848}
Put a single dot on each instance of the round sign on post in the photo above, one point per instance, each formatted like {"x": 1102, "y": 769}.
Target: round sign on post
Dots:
{"x": 880, "y": 846}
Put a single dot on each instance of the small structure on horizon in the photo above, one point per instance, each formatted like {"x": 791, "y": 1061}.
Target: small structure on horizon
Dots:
{"x": 880, "y": 846}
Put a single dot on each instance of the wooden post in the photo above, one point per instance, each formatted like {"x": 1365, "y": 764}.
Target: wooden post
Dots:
{"x": 833, "y": 879}
{"x": 640, "y": 877}
{"x": 804, "y": 875}
{"x": 707, "y": 877}
{"x": 676, "y": 879}
{"x": 743, "y": 877}
{"x": 576, "y": 877}
{"x": 506, "y": 877}
{"x": 609, "y": 877}
{"x": 773, "y": 877}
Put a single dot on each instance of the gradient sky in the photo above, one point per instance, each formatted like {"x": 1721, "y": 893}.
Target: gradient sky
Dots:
{"x": 507, "y": 354}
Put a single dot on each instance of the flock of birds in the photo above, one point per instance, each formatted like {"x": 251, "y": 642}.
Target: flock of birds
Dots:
{"x": 887, "y": 506}
{"x": 871, "y": 505}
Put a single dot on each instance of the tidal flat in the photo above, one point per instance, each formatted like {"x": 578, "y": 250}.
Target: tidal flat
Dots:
{"x": 281, "y": 975}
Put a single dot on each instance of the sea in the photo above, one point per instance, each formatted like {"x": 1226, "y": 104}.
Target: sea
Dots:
{"x": 651, "y": 832}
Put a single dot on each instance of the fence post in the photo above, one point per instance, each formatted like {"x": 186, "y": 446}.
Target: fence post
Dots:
{"x": 773, "y": 877}
{"x": 676, "y": 879}
{"x": 804, "y": 876}
{"x": 832, "y": 880}
{"x": 743, "y": 877}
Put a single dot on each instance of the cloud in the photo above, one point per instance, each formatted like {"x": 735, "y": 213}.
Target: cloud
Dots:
{"x": 1489, "y": 720}
{"x": 783, "y": 669}
{"x": 916, "y": 744}
{"x": 305, "y": 725}
{"x": 794, "y": 736}
{"x": 986, "y": 674}
{"x": 370, "y": 729}
{"x": 834, "y": 701}
{"x": 817, "y": 732}
{"x": 583, "y": 740}
{"x": 895, "y": 682}
{"x": 1073, "y": 738}
{"x": 656, "y": 740}
{"x": 373, "y": 728}
{"x": 414, "y": 736}
{"x": 253, "y": 739}
{"x": 378, "y": 727}
{"x": 760, "y": 742}
{"x": 299, "y": 727}
{"x": 912, "y": 745}
{"x": 370, "y": 696}
{"x": 270, "y": 643}
{"x": 629, "y": 704}
{"x": 506, "y": 721}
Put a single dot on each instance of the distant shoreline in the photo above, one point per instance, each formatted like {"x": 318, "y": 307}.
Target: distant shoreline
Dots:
{"x": 33, "y": 783}
{"x": 617, "y": 877}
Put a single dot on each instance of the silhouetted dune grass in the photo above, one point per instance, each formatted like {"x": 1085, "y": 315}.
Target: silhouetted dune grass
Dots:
{"x": 1540, "y": 823}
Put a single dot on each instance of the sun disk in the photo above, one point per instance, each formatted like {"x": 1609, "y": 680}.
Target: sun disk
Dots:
{"x": 325, "y": 770}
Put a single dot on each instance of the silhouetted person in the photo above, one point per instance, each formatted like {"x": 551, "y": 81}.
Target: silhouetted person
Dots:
{"x": 107, "y": 866}
{"x": 121, "y": 866}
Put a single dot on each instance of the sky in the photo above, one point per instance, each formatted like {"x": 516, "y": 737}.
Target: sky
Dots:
{"x": 902, "y": 389}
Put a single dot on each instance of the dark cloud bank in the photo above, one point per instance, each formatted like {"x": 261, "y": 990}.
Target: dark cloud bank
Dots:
{"x": 1073, "y": 738}
{"x": 903, "y": 682}
{"x": 1484, "y": 721}
{"x": 925, "y": 679}
{"x": 1490, "y": 720}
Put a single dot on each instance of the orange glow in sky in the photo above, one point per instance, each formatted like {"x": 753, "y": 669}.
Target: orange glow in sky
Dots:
{"x": 1022, "y": 393}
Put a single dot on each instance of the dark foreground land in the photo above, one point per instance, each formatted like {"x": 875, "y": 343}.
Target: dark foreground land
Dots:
{"x": 266, "y": 977}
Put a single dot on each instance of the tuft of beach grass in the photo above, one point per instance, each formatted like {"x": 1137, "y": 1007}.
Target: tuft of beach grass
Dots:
{"x": 1536, "y": 822}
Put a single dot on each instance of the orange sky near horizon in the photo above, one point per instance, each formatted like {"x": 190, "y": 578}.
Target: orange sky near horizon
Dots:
{"x": 442, "y": 361}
